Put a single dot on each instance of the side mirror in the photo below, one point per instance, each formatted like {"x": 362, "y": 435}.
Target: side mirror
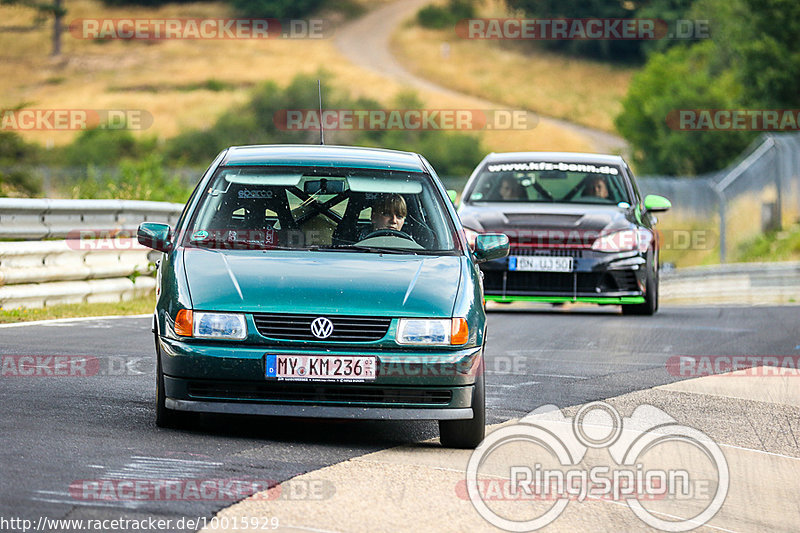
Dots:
{"x": 656, "y": 204}
{"x": 490, "y": 246}
{"x": 155, "y": 235}
{"x": 453, "y": 195}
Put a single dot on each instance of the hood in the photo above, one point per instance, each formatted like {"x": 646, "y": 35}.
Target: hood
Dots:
{"x": 306, "y": 282}
{"x": 546, "y": 222}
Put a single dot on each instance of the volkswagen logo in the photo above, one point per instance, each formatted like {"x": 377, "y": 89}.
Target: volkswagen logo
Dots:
{"x": 321, "y": 327}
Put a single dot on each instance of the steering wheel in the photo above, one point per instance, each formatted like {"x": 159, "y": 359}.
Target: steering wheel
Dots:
{"x": 388, "y": 232}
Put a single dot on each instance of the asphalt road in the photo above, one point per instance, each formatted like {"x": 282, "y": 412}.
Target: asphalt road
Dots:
{"x": 59, "y": 430}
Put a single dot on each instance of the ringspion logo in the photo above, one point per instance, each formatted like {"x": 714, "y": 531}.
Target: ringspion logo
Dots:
{"x": 647, "y": 461}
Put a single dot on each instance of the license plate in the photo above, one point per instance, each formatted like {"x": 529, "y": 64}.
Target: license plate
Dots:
{"x": 538, "y": 263}
{"x": 321, "y": 367}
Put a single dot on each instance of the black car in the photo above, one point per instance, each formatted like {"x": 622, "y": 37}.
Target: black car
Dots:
{"x": 578, "y": 226}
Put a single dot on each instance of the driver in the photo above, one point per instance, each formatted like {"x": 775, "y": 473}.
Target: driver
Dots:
{"x": 597, "y": 187}
{"x": 389, "y": 212}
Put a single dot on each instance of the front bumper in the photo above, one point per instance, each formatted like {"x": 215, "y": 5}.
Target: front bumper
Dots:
{"x": 222, "y": 378}
{"x": 596, "y": 277}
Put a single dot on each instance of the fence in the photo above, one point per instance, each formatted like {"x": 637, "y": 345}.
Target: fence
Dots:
{"x": 760, "y": 191}
{"x": 33, "y": 218}
{"x": 77, "y": 269}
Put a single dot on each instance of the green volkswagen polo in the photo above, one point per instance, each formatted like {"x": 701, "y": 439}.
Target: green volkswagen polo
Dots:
{"x": 321, "y": 281}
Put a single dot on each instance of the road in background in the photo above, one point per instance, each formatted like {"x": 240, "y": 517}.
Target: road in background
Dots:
{"x": 59, "y": 430}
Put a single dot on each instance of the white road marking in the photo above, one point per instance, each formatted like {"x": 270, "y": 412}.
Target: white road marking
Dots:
{"x": 67, "y": 321}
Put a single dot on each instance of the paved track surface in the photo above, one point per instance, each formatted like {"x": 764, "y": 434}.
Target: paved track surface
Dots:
{"x": 57, "y": 430}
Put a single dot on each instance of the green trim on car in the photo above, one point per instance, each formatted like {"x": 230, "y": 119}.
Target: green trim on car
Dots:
{"x": 565, "y": 299}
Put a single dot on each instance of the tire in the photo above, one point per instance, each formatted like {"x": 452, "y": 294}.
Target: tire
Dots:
{"x": 467, "y": 434}
{"x": 165, "y": 418}
{"x": 650, "y": 305}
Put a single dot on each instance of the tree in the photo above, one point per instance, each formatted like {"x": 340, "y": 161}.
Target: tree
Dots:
{"x": 685, "y": 77}
{"x": 44, "y": 10}
{"x": 769, "y": 52}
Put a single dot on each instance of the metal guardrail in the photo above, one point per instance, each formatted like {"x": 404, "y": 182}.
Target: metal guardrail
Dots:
{"x": 735, "y": 283}
{"x": 35, "y": 218}
{"x": 35, "y": 274}
{"x": 42, "y": 273}
{"x": 79, "y": 269}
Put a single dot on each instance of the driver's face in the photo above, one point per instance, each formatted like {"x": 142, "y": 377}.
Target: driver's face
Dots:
{"x": 598, "y": 188}
{"x": 387, "y": 221}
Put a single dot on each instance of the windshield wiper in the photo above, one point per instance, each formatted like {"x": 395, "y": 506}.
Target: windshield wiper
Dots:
{"x": 382, "y": 249}
{"x": 244, "y": 244}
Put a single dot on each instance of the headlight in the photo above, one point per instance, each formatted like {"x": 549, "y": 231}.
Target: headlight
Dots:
{"x": 210, "y": 325}
{"x": 433, "y": 332}
{"x": 623, "y": 241}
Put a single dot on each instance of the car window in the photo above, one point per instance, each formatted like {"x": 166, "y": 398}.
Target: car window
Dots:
{"x": 550, "y": 182}
{"x": 310, "y": 207}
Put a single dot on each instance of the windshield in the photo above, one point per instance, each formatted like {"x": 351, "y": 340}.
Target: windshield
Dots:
{"x": 550, "y": 182}
{"x": 321, "y": 208}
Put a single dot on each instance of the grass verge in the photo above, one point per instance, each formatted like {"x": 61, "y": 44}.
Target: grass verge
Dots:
{"x": 137, "y": 306}
{"x": 773, "y": 246}
{"x": 579, "y": 90}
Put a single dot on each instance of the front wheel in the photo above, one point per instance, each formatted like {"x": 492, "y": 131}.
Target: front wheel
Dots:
{"x": 650, "y": 305}
{"x": 165, "y": 418}
{"x": 467, "y": 433}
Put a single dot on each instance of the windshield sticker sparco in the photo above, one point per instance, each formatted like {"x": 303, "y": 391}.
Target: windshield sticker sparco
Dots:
{"x": 563, "y": 167}
{"x": 255, "y": 193}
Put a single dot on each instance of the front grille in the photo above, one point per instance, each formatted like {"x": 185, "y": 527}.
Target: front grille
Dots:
{"x": 521, "y": 283}
{"x": 546, "y": 252}
{"x": 539, "y": 282}
{"x": 298, "y": 327}
{"x": 317, "y": 393}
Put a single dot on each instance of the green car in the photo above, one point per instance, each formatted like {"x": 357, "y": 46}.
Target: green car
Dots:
{"x": 326, "y": 282}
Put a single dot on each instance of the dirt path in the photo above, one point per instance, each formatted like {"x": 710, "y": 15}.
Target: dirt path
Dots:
{"x": 365, "y": 42}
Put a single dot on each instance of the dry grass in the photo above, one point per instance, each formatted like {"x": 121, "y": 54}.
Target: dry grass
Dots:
{"x": 90, "y": 74}
{"x": 106, "y": 75}
{"x": 579, "y": 90}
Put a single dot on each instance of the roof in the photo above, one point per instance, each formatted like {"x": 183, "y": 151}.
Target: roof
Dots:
{"x": 323, "y": 156}
{"x": 560, "y": 157}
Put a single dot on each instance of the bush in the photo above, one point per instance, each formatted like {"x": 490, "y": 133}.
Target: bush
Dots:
{"x": 440, "y": 17}
{"x": 16, "y": 179}
{"x": 682, "y": 78}
{"x": 617, "y": 50}
{"x": 254, "y": 123}
{"x": 276, "y": 8}
{"x": 104, "y": 147}
{"x": 19, "y": 183}
{"x": 136, "y": 180}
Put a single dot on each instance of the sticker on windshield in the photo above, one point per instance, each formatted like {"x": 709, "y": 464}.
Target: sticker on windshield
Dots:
{"x": 199, "y": 235}
{"x": 624, "y": 205}
{"x": 255, "y": 193}
{"x": 563, "y": 167}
